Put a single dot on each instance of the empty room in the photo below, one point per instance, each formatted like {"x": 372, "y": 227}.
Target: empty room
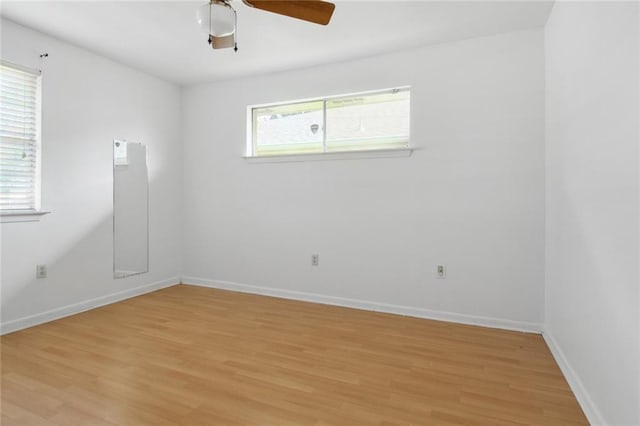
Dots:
{"x": 304, "y": 212}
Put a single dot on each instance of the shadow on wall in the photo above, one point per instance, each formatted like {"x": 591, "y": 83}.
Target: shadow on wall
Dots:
{"x": 79, "y": 272}
{"x": 72, "y": 275}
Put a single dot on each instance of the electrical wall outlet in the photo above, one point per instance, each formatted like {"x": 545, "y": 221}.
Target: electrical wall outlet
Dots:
{"x": 41, "y": 271}
{"x": 315, "y": 259}
{"x": 441, "y": 271}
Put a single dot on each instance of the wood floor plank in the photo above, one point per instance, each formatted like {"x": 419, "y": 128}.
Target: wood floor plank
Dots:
{"x": 187, "y": 355}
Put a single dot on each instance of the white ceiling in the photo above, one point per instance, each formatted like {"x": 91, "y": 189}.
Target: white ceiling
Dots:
{"x": 163, "y": 39}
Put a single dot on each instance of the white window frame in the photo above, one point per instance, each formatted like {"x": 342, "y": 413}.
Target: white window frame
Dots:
{"x": 341, "y": 155}
{"x": 31, "y": 215}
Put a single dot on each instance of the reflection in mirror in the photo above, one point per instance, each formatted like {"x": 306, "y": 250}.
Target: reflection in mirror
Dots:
{"x": 130, "y": 209}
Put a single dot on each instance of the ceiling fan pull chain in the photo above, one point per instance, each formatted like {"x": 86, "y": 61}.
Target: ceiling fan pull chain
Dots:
{"x": 210, "y": 38}
{"x": 235, "y": 31}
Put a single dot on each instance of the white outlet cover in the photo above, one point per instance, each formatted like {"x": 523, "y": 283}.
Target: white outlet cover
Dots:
{"x": 41, "y": 271}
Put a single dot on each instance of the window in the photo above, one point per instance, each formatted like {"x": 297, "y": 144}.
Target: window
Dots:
{"x": 358, "y": 122}
{"x": 19, "y": 139}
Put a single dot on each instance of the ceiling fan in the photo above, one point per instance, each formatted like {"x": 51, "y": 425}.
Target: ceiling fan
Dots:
{"x": 219, "y": 18}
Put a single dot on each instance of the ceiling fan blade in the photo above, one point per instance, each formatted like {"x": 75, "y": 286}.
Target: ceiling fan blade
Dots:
{"x": 315, "y": 11}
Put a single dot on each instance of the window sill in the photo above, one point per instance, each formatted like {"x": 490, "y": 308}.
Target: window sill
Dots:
{"x": 349, "y": 155}
{"x": 21, "y": 216}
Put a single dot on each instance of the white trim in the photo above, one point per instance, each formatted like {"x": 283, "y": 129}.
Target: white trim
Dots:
{"x": 505, "y": 324}
{"x": 37, "y": 186}
{"x": 76, "y": 308}
{"x": 330, "y": 97}
{"x": 586, "y": 403}
{"x": 347, "y": 155}
{"x": 21, "y": 216}
{"x": 9, "y": 64}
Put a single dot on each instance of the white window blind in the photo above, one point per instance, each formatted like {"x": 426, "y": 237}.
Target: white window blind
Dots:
{"x": 19, "y": 138}
{"x": 366, "y": 121}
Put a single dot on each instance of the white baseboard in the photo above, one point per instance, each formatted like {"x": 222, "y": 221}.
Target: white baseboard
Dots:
{"x": 369, "y": 306}
{"x": 76, "y": 308}
{"x": 581, "y": 394}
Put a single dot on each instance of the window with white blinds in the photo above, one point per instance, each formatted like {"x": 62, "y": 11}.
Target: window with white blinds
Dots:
{"x": 19, "y": 139}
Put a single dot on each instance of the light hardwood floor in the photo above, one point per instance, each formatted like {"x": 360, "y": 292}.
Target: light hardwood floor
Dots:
{"x": 196, "y": 356}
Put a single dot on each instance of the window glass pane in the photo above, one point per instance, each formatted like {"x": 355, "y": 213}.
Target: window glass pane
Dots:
{"x": 368, "y": 121}
{"x": 288, "y": 129}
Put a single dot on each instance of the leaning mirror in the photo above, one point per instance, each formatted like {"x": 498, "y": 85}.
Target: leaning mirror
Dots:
{"x": 130, "y": 209}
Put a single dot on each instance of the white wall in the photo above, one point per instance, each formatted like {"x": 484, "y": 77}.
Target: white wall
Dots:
{"x": 87, "y": 101}
{"x": 471, "y": 196}
{"x": 592, "y": 204}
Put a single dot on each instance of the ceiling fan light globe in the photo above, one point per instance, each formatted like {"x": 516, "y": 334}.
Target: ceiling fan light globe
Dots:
{"x": 223, "y": 20}
{"x": 202, "y": 17}
{"x": 216, "y": 18}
